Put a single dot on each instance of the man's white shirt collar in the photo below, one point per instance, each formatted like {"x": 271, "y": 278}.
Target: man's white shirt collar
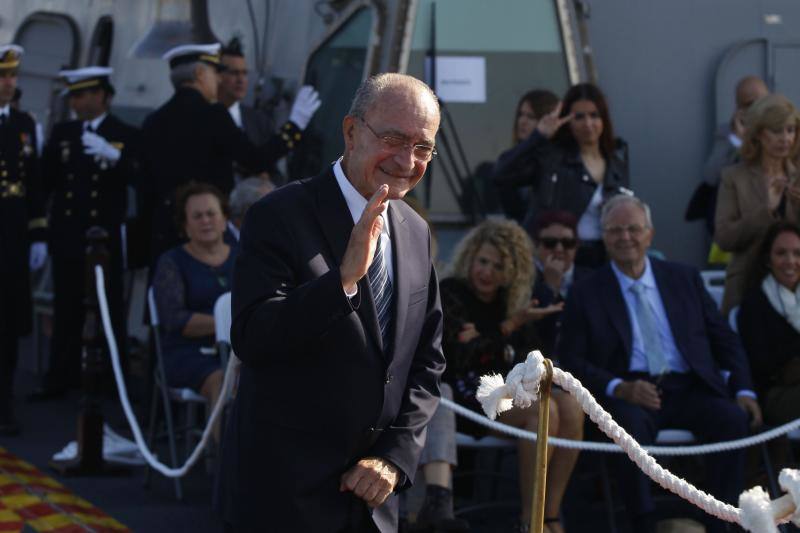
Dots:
{"x": 5, "y": 110}
{"x": 625, "y": 282}
{"x": 94, "y": 123}
{"x": 236, "y": 114}
{"x": 355, "y": 202}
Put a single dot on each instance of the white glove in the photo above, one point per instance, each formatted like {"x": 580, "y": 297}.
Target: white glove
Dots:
{"x": 38, "y": 255}
{"x": 305, "y": 105}
{"x": 97, "y": 146}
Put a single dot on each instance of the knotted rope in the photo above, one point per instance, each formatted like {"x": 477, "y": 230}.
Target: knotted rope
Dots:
{"x": 521, "y": 389}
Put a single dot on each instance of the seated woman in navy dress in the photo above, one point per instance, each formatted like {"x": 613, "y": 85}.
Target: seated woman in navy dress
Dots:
{"x": 188, "y": 280}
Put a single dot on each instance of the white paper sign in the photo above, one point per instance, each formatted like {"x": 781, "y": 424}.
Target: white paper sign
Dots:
{"x": 460, "y": 79}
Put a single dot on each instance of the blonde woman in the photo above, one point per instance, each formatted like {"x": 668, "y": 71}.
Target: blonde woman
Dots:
{"x": 759, "y": 191}
{"x": 488, "y": 326}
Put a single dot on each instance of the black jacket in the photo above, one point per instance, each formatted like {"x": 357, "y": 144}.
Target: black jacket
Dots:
{"x": 556, "y": 175}
{"x": 189, "y": 139}
{"x": 22, "y": 219}
{"x": 318, "y": 390}
{"x": 549, "y": 327}
{"x": 86, "y": 192}
{"x": 770, "y": 341}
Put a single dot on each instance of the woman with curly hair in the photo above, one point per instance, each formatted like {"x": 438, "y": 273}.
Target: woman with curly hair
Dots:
{"x": 488, "y": 327}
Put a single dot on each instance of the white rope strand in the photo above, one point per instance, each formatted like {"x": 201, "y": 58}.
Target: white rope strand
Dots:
{"x": 610, "y": 447}
{"x": 123, "y": 393}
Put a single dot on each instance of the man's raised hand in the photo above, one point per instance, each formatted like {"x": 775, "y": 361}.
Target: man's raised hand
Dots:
{"x": 363, "y": 240}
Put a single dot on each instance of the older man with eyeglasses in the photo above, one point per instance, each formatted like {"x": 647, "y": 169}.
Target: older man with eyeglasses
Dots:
{"x": 337, "y": 321}
{"x": 647, "y": 340}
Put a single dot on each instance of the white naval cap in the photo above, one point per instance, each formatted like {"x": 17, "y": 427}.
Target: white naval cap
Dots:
{"x": 191, "y": 53}
{"x": 88, "y": 77}
{"x": 10, "y": 55}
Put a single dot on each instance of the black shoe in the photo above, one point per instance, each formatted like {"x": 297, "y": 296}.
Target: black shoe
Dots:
{"x": 437, "y": 512}
{"x": 9, "y": 426}
{"x": 46, "y": 393}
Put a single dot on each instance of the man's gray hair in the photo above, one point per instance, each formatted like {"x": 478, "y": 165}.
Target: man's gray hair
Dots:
{"x": 183, "y": 74}
{"x": 375, "y": 86}
{"x": 246, "y": 193}
{"x": 623, "y": 199}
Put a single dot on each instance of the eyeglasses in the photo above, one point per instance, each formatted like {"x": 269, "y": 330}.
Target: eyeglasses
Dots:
{"x": 422, "y": 152}
{"x": 551, "y": 242}
{"x": 634, "y": 230}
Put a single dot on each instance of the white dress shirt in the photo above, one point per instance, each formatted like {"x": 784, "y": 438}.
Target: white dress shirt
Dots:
{"x": 94, "y": 123}
{"x": 356, "y": 204}
{"x": 236, "y": 114}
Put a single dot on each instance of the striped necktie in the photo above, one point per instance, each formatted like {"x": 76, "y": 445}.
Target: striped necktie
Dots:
{"x": 381, "y": 287}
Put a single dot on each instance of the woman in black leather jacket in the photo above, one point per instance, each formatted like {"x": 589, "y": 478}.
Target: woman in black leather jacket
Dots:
{"x": 571, "y": 163}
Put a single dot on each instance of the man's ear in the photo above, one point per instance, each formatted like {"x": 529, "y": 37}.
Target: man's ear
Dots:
{"x": 349, "y": 131}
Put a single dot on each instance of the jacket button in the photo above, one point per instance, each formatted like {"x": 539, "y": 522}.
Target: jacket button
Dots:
{"x": 69, "y": 194}
{"x": 94, "y": 177}
{"x": 93, "y": 212}
{"x": 388, "y": 378}
{"x": 68, "y": 212}
{"x": 94, "y": 194}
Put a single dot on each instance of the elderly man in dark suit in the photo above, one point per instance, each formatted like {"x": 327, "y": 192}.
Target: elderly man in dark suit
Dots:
{"x": 337, "y": 320}
{"x": 647, "y": 340}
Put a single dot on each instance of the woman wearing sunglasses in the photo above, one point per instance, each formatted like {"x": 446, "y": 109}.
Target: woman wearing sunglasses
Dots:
{"x": 555, "y": 243}
{"x": 571, "y": 163}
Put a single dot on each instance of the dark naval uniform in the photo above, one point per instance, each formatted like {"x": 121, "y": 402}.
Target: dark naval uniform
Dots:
{"x": 85, "y": 192}
{"x": 22, "y": 221}
{"x": 189, "y": 139}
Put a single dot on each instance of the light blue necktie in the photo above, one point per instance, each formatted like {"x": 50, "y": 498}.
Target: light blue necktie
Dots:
{"x": 648, "y": 329}
{"x": 381, "y": 287}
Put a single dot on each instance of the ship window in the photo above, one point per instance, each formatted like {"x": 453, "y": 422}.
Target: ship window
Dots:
{"x": 102, "y": 39}
{"x": 336, "y": 69}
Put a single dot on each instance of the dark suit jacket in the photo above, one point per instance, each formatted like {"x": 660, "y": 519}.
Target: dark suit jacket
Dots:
{"x": 549, "y": 327}
{"x": 596, "y": 339}
{"x": 256, "y": 124}
{"x": 318, "y": 391}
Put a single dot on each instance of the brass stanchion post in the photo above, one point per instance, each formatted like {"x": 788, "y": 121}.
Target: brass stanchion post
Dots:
{"x": 537, "y": 507}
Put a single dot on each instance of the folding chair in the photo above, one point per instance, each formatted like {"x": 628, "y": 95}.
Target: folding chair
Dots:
{"x": 222, "y": 327}
{"x": 168, "y": 395}
{"x": 714, "y": 282}
{"x": 498, "y": 447}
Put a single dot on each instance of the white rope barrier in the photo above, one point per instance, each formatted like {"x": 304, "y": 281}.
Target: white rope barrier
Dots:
{"x": 610, "y": 447}
{"x": 123, "y": 393}
{"x": 521, "y": 388}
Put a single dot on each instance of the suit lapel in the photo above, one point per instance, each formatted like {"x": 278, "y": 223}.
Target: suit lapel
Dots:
{"x": 337, "y": 224}
{"x": 617, "y": 310}
{"x": 401, "y": 244}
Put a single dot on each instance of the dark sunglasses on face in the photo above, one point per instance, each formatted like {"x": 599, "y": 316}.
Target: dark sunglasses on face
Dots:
{"x": 551, "y": 242}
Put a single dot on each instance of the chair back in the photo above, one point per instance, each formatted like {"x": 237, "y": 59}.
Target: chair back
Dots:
{"x": 714, "y": 281}
{"x": 222, "y": 318}
{"x": 151, "y": 307}
{"x": 732, "y": 316}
